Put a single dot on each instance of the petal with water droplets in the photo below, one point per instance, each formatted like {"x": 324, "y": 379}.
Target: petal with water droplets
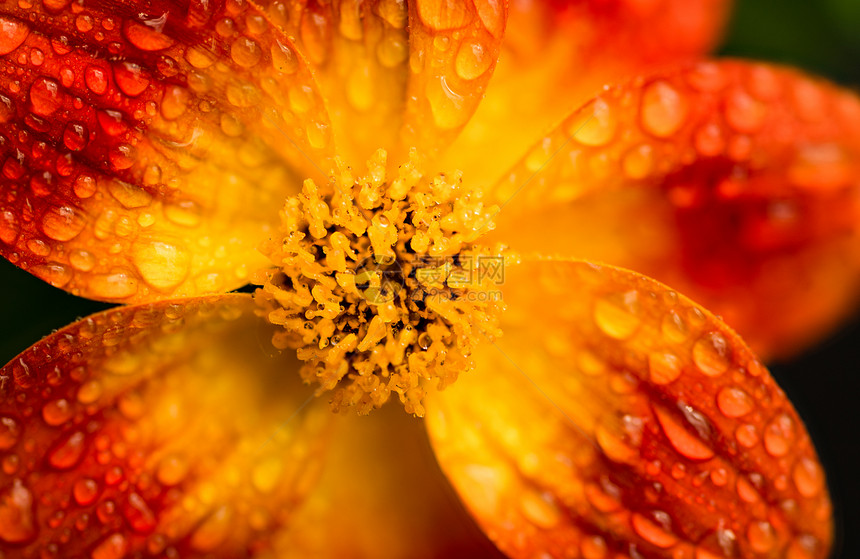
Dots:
{"x": 617, "y": 417}
{"x": 166, "y": 429}
{"x": 556, "y": 55}
{"x": 145, "y": 153}
{"x": 733, "y": 182}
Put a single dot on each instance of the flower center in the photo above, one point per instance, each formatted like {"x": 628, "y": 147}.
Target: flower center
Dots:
{"x": 379, "y": 285}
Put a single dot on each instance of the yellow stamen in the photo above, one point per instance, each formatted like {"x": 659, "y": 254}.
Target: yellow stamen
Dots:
{"x": 379, "y": 285}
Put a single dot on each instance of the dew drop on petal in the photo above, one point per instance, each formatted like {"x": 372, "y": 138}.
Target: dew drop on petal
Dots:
{"x": 664, "y": 109}
{"x": 762, "y": 536}
{"x": 711, "y": 354}
{"x": 617, "y": 318}
{"x": 808, "y": 477}
{"x": 664, "y": 367}
{"x": 9, "y": 432}
{"x": 734, "y": 402}
{"x": 594, "y": 125}
{"x": 112, "y": 547}
{"x": 779, "y": 435}
{"x": 57, "y": 412}
{"x": 12, "y": 34}
{"x": 652, "y": 532}
{"x": 17, "y": 515}
{"x": 85, "y": 491}
{"x": 472, "y": 60}
{"x": 70, "y": 450}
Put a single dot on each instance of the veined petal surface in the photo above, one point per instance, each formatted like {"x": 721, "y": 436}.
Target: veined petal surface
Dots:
{"x": 735, "y": 183}
{"x": 384, "y": 496}
{"x": 558, "y": 54}
{"x": 616, "y": 418}
{"x": 159, "y": 430}
{"x": 145, "y": 149}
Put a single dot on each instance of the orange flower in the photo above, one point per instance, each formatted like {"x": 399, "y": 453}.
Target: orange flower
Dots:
{"x": 588, "y": 411}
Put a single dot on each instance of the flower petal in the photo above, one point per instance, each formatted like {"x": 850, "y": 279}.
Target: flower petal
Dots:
{"x": 557, "y": 55}
{"x": 736, "y": 183}
{"x": 162, "y": 429}
{"x": 384, "y": 496}
{"x": 454, "y": 46}
{"x": 617, "y": 418}
{"x": 145, "y": 151}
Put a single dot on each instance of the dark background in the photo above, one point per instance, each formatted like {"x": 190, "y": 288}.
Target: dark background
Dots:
{"x": 822, "y": 36}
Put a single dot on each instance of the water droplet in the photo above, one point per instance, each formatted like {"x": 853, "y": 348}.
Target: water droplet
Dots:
{"x": 9, "y": 432}
{"x": 57, "y": 412}
{"x": 615, "y": 448}
{"x": 145, "y": 37}
{"x": 161, "y": 265}
{"x": 171, "y": 470}
{"x": 638, "y": 162}
{"x": 13, "y": 33}
{"x": 62, "y": 223}
{"x": 808, "y": 477}
{"x": 709, "y": 140}
{"x": 138, "y": 514}
{"x": 112, "y": 122}
{"x": 664, "y": 109}
{"x": 90, "y": 392}
{"x": 664, "y": 367}
{"x": 17, "y": 515}
{"x": 448, "y": 107}
{"x": 652, "y": 532}
{"x": 711, "y": 354}
{"x": 119, "y": 285}
{"x": 779, "y": 435}
{"x": 593, "y": 547}
{"x": 114, "y": 546}
{"x": 85, "y": 491}
{"x": 687, "y": 444}
{"x": 70, "y": 450}
{"x": 747, "y": 436}
{"x": 540, "y": 509}
{"x": 734, "y": 402}
{"x": 85, "y": 186}
{"x": 472, "y": 60}
{"x": 45, "y": 96}
{"x": 762, "y": 536}
{"x": 392, "y": 50}
{"x": 130, "y": 78}
{"x": 594, "y": 125}
{"x": 617, "y": 316}
{"x": 245, "y": 52}
{"x": 745, "y": 113}
{"x": 96, "y": 79}
{"x": 674, "y": 328}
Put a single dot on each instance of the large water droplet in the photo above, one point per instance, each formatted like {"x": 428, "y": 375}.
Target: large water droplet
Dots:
{"x": 617, "y": 316}
{"x": 734, "y": 402}
{"x": 162, "y": 265}
{"x": 114, "y": 546}
{"x": 653, "y": 532}
{"x": 138, "y": 514}
{"x": 45, "y": 96}
{"x": 70, "y": 450}
{"x": 120, "y": 285}
{"x": 448, "y": 107}
{"x": 85, "y": 491}
{"x": 12, "y": 34}
{"x": 779, "y": 435}
{"x": 664, "y": 109}
{"x": 96, "y": 79}
{"x": 687, "y": 444}
{"x": 594, "y": 124}
{"x": 540, "y": 510}
{"x": 245, "y": 52}
{"x": 664, "y": 367}
{"x": 472, "y": 60}
{"x": 62, "y": 223}
{"x": 808, "y": 477}
{"x": 57, "y": 412}
{"x": 145, "y": 37}
{"x": 745, "y": 113}
{"x": 130, "y": 78}
{"x": 17, "y": 515}
{"x": 711, "y": 354}
{"x": 762, "y": 536}
{"x": 9, "y": 433}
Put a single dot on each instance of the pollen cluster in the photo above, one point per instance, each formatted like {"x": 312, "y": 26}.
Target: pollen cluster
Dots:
{"x": 378, "y": 284}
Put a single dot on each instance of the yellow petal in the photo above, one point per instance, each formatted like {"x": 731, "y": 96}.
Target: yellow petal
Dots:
{"x": 145, "y": 152}
{"x": 733, "y": 182}
{"x": 169, "y": 429}
{"x": 617, "y": 418}
{"x": 382, "y": 496}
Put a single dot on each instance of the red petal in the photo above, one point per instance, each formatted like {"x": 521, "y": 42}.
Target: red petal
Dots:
{"x": 734, "y": 182}
{"x": 157, "y": 430}
{"x": 616, "y": 418}
{"x": 144, "y": 151}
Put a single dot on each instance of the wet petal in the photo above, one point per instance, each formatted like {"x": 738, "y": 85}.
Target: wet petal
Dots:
{"x": 736, "y": 183}
{"x": 615, "y": 418}
{"x": 556, "y": 55}
{"x": 454, "y": 46}
{"x": 144, "y": 153}
{"x": 384, "y": 496}
{"x": 165, "y": 429}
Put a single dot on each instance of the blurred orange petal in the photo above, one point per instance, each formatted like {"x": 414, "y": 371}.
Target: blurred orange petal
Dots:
{"x": 617, "y": 418}
{"x": 144, "y": 151}
{"x": 733, "y": 182}
{"x": 558, "y": 54}
{"x": 164, "y": 429}
{"x": 383, "y": 496}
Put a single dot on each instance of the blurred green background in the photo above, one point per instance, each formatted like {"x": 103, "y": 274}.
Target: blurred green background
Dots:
{"x": 822, "y": 36}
